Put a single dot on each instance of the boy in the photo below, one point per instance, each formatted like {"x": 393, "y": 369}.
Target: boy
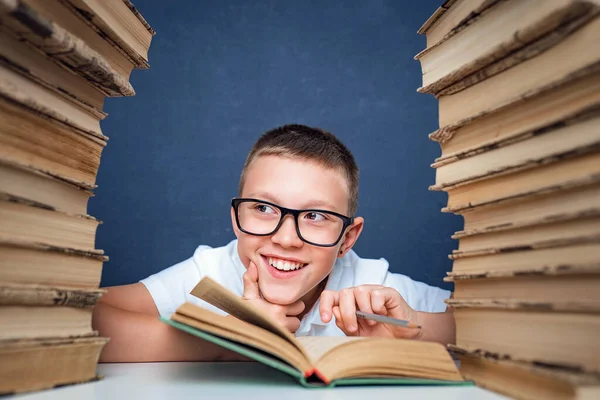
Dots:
{"x": 295, "y": 227}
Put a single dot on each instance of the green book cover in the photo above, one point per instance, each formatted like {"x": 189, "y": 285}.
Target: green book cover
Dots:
{"x": 278, "y": 364}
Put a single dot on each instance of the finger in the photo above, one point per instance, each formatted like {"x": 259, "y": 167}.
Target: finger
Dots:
{"x": 338, "y": 321}
{"x": 362, "y": 295}
{"x": 338, "y": 318}
{"x": 292, "y": 323}
{"x": 348, "y": 309}
{"x": 329, "y": 299}
{"x": 295, "y": 308}
{"x": 378, "y": 301}
{"x": 251, "y": 290}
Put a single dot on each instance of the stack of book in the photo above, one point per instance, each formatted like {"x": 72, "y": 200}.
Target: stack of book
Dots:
{"x": 518, "y": 85}
{"x": 59, "y": 59}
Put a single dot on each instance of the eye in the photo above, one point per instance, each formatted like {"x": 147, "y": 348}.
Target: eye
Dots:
{"x": 264, "y": 209}
{"x": 315, "y": 216}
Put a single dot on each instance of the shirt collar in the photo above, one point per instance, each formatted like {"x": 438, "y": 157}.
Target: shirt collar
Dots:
{"x": 235, "y": 257}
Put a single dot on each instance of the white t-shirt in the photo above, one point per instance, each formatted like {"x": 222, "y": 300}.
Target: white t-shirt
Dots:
{"x": 171, "y": 287}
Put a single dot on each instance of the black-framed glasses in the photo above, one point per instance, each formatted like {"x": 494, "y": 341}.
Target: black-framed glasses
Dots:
{"x": 317, "y": 227}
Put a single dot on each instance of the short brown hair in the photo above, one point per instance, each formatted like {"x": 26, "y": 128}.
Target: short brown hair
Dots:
{"x": 314, "y": 144}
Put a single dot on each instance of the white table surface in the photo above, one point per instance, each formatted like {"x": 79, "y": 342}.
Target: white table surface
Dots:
{"x": 187, "y": 380}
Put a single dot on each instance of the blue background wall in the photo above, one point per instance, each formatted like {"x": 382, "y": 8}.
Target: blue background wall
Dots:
{"x": 222, "y": 73}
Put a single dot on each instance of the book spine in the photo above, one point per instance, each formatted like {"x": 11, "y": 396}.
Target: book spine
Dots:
{"x": 571, "y": 269}
{"x": 322, "y": 377}
{"x": 525, "y": 305}
{"x": 97, "y": 254}
{"x": 47, "y": 296}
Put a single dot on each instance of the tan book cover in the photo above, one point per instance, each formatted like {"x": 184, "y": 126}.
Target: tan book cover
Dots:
{"x": 118, "y": 24}
{"x": 576, "y": 255}
{"x": 139, "y": 16}
{"x": 44, "y": 70}
{"x": 514, "y": 31}
{"x": 30, "y": 183}
{"x": 20, "y": 89}
{"x": 541, "y": 223}
{"x": 29, "y": 221}
{"x": 562, "y": 140}
{"x": 28, "y": 365}
{"x": 526, "y": 381}
{"x": 32, "y": 321}
{"x": 591, "y": 237}
{"x": 564, "y": 335}
{"x": 575, "y": 286}
{"x": 570, "y": 171}
{"x": 543, "y": 107}
{"x": 528, "y": 235}
{"x": 23, "y": 262}
{"x": 60, "y": 45}
{"x": 576, "y": 55}
{"x": 438, "y": 14}
{"x": 451, "y": 17}
{"x": 543, "y": 207}
{"x": 33, "y": 139}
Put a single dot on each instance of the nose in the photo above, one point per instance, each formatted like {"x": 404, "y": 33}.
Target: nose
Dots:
{"x": 286, "y": 235}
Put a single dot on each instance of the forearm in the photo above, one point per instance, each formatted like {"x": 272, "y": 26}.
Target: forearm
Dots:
{"x": 137, "y": 337}
{"x": 437, "y": 327}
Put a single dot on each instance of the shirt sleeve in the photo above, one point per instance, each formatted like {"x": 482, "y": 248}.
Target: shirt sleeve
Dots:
{"x": 170, "y": 286}
{"x": 418, "y": 295}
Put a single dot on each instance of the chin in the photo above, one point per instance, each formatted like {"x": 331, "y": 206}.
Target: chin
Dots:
{"x": 281, "y": 296}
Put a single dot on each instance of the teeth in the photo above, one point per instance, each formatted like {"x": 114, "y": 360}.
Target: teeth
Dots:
{"x": 284, "y": 265}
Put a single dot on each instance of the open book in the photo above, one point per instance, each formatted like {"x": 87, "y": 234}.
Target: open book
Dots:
{"x": 314, "y": 361}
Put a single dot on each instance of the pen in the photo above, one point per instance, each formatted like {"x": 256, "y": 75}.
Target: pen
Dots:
{"x": 387, "y": 320}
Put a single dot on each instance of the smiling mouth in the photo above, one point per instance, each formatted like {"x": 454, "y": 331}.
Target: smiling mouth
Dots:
{"x": 285, "y": 265}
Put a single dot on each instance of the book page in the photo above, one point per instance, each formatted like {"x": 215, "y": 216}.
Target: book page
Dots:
{"x": 215, "y": 294}
{"x": 378, "y": 357}
{"x": 317, "y": 346}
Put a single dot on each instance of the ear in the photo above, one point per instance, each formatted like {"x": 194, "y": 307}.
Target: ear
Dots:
{"x": 351, "y": 235}
{"x": 234, "y": 224}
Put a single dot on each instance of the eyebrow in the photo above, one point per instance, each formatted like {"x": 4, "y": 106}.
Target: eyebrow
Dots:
{"x": 310, "y": 205}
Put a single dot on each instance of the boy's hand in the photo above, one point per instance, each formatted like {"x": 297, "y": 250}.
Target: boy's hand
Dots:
{"x": 285, "y": 314}
{"x": 373, "y": 299}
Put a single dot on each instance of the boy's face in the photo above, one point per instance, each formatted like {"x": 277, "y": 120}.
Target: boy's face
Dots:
{"x": 296, "y": 184}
